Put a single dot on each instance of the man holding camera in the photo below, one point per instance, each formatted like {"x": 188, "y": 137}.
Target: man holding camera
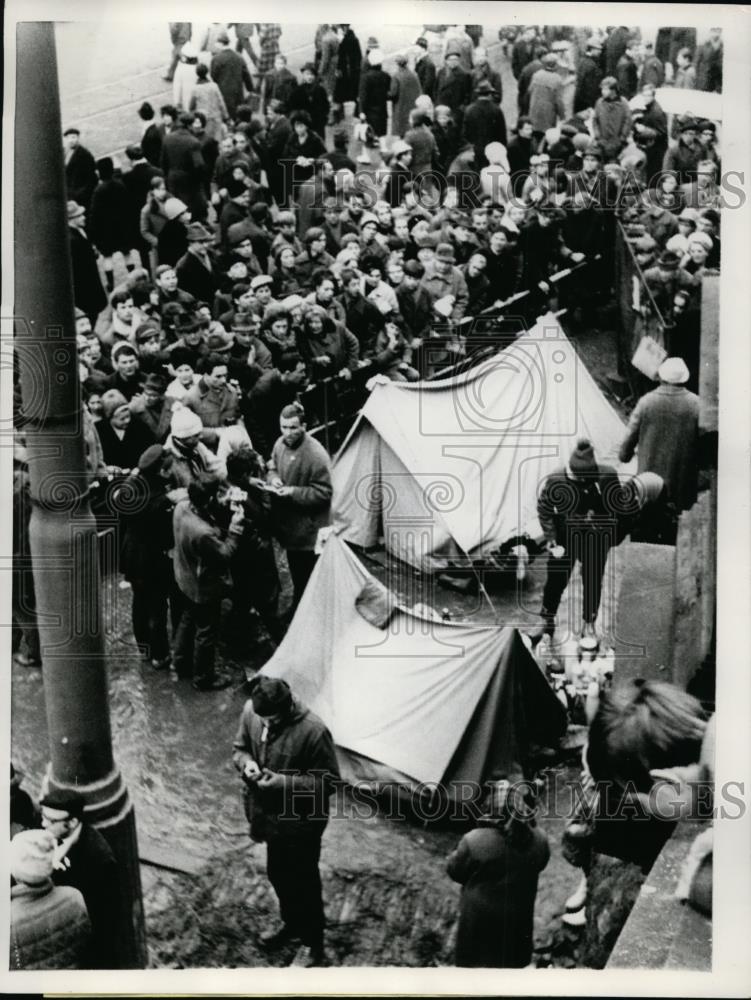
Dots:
{"x": 287, "y": 760}
{"x": 202, "y": 555}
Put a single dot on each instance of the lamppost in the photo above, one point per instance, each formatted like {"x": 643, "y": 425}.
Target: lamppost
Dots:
{"x": 62, "y": 529}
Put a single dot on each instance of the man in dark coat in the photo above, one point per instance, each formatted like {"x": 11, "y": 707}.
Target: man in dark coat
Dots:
{"x": 578, "y": 511}
{"x": 525, "y": 78}
{"x": 138, "y": 185}
{"x": 588, "y": 76}
{"x": 152, "y": 136}
{"x": 522, "y": 52}
{"x": 80, "y": 169}
{"x": 520, "y": 150}
{"x": 425, "y": 68}
{"x": 375, "y": 85}
{"x": 88, "y": 293}
{"x": 230, "y": 73}
{"x": 288, "y": 763}
{"x": 278, "y": 136}
{"x": 184, "y": 166}
{"x": 615, "y": 46}
{"x": 709, "y": 63}
{"x": 88, "y": 865}
{"x": 310, "y": 96}
{"x": 348, "y": 67}
{"x": 453, "y": 85}
{"x": 196, "y": 273}
{"x": 627, "y": 72}
{"x": 484, "y": 122}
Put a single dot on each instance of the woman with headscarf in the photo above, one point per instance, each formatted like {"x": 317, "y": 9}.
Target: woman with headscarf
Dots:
{"x": 498, "y": 865}
{"x": 123, "y": 439}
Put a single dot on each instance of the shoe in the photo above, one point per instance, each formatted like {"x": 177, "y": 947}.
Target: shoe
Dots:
{"x": 270, "y": 940}
{"x": 309, "y": 958}
{"x": 24, "y": 660}
{"x": 216, "y": 683}
{"x": 167, "y": 79}
{"x": 162, "y": 664}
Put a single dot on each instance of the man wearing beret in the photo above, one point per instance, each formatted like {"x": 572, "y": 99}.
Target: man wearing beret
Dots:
{"x": 287, "y": 760}
{"x": 576, "y": 508}
{"x": 85, "y": 861}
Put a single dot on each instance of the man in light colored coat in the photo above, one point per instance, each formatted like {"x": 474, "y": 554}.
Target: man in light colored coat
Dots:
{"x": 664, "y": 432}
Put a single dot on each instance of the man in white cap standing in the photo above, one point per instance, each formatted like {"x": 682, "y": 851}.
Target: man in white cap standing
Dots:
{"x": 664, "y": 432}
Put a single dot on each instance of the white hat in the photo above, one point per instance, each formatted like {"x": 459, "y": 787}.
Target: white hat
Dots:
{"x": 375, "y": 57}
{"x": 702, "y": 238}
{"x": 399, "y": 147}
{"x": 174, "y": 207}
{"x": 189, "y": 51}
{"x": 31, "y": 856}
{"x": 673, "y": 371}
{"x": 495, "y": 152}
{"x": 185, "y": 423}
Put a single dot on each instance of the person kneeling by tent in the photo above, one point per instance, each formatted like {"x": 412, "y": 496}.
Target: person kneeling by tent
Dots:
{"x": 287, "y": 760}
{"x": 577, "y": 508}
{"x": 498, "y": 865}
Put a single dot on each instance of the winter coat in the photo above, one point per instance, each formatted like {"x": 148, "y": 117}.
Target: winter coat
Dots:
{"x": 709, "y": 68}
{"x": 148, "y": 537}
{"x": 349, "y": 66}
{"x": 615, "y": 46}
{"x": 230, "y": 73}
{"x": 588, "y": 77}
{"x": 49, "y": 927}
{"x": 302, "y": 749}
{"x": 683, "y": 159}
{"x": 215, "y": 410}
{"x": 484, "y": 72}
{"x": 416, "y": 308}
{"x": 483, "y": 123}
{"x": 195, "y": 278}
{"x": 563, "y": 504}
{"x": 453, "y": 87}
{"x": 664, "y": 431}
{"x": 375, "y": 85}
{"x": 453, "y": 283}
{"x": 612, "y": 125}
{"x": 652, "y": 73}
{"x": 424, "y": 149}
{"x": 364, "y": 320}
{"x": 279, "y": 85}
{"x": 172, "y": 241}
{"x": 93, "y": 871}
{"x": 447, "y": 143}
{"x": 185, "y": 169}
{"x": 110, "y": 225}
{"x": 307, "y": 469}
{"x": 499, "y": 886}
{"x": 80, "y": 176}
{"x": 545, "y": 100}
{"x": 334, "y": 341}
{"x": 124, "y": 454}
{"x": 138, "y": 185}
{"x": 328, "y": 63}
{"x": 522, "y": 92}
{"x": 426, "y": 74}
{"x": 88, "y": 293}
{"x": 201, "y": 555}
{"x": 522, "y": 54}
{"x": 206, "y": 97}
{"x": 186, "y": 466}
{"x": 311, "y": 97}
{"x": 405, "y": 89}
{"x": 627, "y": 75}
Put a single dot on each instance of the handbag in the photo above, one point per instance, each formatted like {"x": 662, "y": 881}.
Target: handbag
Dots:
{"x": 648, "y": 356}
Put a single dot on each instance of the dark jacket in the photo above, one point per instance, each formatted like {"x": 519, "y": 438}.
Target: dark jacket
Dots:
{"x": 499, "y": 886}
{"x": 49, "y": 927}
{"x": 311, "y": 97}
{"x": 365, "y": 321}
{"x": 312, "y": 148}
{"x": 111, "y": 225}
{"x": 172, "y": 242}
{"x": 307, "y": 470}
{"x": 453, "y": 87}
{"x": 588, "y": 77}
{"x": 301, "y": 748}
{"x": 138, "y": 185}
{"x": 230, "y": 73}
{"x": 375, "y": 85}
{"x": 196, "y": 279}
{"x": 568, "y": 505}
{"x": 522, "y": 54}
{"x": 483, "y": 123}
{"x": 148, "y": 537}
{"x": 151, "y": 144}
{"x": 627, "y": 75}
{"x": 334, "y": 341}
{"x": 124, "y": 454}
{"x": 80, "y": 176}
{"x": 93, "y": 870}
{"x": 349, "y": 64}
{"x": 426, "y": 74}
{"x": 88, "y": 293}
{"x": 416, "y": 308}
{"x": 185, "y": 169}
{"x": 261, "y": 408}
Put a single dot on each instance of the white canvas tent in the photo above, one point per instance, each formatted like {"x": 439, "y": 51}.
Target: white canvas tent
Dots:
{"x": 454, "y": 466}
{"x": 411, "y": 699}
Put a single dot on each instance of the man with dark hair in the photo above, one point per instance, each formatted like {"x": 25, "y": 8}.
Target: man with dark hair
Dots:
{"x": 300, "y": 469}
{"x": 313, "y": 257}
{"x": 86, "y": 862}
{"x": 196, "y": 271}
{"x": 202, "y": 556}
{"x": 80, "y": 169}
{"x": 275, "y": 389}
{"x": 278, "y": 135}
{"x": 215, "y": 402}
{"x": 288, "y": 763}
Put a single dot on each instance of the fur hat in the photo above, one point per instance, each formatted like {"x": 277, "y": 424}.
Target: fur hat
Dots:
{"x": 112, "y": 401}
{"x": 185, "y": 423}
{"x": 31, "y": 856}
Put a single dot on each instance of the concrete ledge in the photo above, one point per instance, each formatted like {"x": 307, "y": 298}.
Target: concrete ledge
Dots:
{"x": 662, "y": 933}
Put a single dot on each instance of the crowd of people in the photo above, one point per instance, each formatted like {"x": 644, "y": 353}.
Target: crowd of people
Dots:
{"x": 279, "y": 230}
